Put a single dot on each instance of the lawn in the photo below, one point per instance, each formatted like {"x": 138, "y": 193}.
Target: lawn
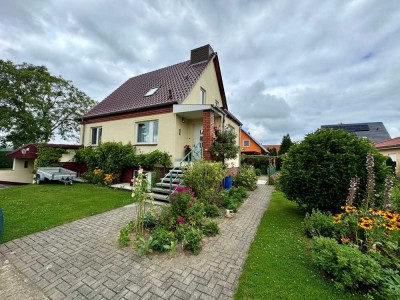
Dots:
{"x": 32, "y": 208}
{"x": 279, "y": 265}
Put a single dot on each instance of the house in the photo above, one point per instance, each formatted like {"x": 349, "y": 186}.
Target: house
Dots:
{"x": 249, "y": 145}
{"x": 391, "y": 148}
{"x": 374, "y": 131}
{"x": 166, "y": 109}
{"x": 276, "y": 147}
{"x": 24, "y": 162}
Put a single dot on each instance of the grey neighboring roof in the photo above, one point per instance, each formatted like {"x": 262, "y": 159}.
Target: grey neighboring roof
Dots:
{"x": 374, "y": 131}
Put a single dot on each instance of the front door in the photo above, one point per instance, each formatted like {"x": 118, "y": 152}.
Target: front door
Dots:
{"x": 197, "y": 152}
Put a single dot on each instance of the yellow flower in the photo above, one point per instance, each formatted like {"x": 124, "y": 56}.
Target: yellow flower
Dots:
{"x": 349, "y": 208}
{"x": 389, "y": 226}
{"x": 345, "y": 240}
{"x": 365, "y": 225}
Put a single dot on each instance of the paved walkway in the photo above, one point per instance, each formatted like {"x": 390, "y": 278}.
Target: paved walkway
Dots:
{"x": 82, "y": 260}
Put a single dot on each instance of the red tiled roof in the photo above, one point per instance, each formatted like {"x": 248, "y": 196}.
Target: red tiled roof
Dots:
{"x": 277, "y": 147}
{"x": 31, "y": 150}
{"x": 388, "y": 143}
{"x": 179, "y": 78}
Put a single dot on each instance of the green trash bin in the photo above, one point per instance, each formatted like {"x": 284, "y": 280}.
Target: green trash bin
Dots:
{"x": 1, "y": 224}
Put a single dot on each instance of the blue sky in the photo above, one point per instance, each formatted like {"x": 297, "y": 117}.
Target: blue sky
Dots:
{"x": 287, "y": 66}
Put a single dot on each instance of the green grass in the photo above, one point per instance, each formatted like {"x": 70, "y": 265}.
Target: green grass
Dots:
{"x": 279, "y": 265}
{"x": 32, "y": 208}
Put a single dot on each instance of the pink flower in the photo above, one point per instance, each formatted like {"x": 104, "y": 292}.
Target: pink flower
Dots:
{"x": 190, "y": 205}
{"x": 180, "y": 189}
{"x": 180, "y": 220}
{"x": 192, "y": 200}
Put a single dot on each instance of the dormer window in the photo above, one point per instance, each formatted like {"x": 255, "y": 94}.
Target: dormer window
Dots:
{"x": 152, "y": 91}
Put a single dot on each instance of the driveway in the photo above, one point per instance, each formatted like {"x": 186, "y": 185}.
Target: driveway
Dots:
{"x": 82, "y": 260}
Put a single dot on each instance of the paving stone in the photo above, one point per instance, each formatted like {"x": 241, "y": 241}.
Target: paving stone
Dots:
{"x": 82, "y": 259}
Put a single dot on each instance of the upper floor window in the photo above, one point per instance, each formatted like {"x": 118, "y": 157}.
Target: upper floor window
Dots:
{"x": 96, "y": 135}
{"x": 147, "y": 132}
{"x": 202, "y": 96}
{"x": 246, "y": 143}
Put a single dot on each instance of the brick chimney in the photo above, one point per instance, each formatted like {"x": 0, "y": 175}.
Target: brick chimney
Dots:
{"x": 200, "y": 54}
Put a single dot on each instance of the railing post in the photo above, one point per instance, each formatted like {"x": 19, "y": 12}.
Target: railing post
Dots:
{"x": 170, "y": 181}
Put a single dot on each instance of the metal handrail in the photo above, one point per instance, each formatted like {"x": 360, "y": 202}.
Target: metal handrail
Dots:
{"x": 197, "y": 149}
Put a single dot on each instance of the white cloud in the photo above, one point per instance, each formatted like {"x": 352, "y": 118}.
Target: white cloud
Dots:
{"x": 287, "y": 66}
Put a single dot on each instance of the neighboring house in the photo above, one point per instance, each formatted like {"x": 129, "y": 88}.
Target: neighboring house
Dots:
{"x": 391, "y": 147}
{"x": 166, "y": 109}
{"x": 374, "y": 131}
{"x": 276, "y": 147}
{"x": 24, "y": 162}
{"x": 249, "y": 145}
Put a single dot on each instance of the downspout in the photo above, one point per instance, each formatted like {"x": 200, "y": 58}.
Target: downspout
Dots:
{"x": 240, "y": 146}
{"x": 83, "y": 133}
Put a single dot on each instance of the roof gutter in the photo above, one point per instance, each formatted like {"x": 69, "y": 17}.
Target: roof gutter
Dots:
{"x": 83, "y": 118}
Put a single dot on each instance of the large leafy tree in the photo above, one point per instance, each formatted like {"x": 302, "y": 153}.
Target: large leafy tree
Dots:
{"x": 35, "y": 105}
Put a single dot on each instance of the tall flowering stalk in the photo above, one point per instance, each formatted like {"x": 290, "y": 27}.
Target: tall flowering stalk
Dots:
{"x": 140, "y": 195}
{"x": 370, "y": 164}
{"x": 353, "y": 188}
{"x": 387, "y": 194}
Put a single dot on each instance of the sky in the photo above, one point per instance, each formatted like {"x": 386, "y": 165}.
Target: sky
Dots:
{"x": 287, "y": 66}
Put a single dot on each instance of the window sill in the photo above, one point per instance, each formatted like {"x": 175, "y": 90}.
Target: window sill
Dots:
{"x": 145, "y": 144}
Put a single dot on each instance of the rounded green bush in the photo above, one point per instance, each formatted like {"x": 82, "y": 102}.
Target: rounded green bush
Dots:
{"x": 211, "y": 228}
{"x": 192, "y": 239}
{"x": 316, "y": 172}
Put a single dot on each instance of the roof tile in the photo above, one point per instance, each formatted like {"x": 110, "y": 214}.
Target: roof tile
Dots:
{"x": 179, "y": 78}
{"x": 388, "y": 143}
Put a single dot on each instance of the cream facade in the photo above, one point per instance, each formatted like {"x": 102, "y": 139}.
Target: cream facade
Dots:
{"x": 183, "y": 126}
{"x": 24, "y": 168}
{"x": 22, "y": 171}
{"x": 394, "y": 154}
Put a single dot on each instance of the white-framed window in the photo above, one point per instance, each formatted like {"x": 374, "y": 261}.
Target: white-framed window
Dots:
{"x": 96, "y": 135}
{"x": 147, "y": 132}
{"x": 151, "y": 92}
{"x": 246, "y": 143}
{"x": 202, "y": 96}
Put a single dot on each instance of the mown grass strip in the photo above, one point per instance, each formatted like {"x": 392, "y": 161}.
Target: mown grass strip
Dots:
{"x": 279, "y": 265}
{"x": 32, "y": 208}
